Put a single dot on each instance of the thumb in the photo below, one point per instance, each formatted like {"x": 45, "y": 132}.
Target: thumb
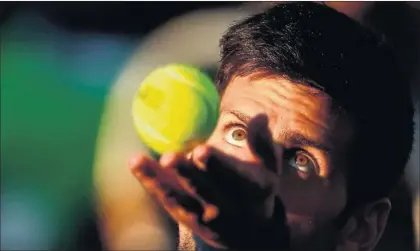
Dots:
{"x": 260, "y": 141}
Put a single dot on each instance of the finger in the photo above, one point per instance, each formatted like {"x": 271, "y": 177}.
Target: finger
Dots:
{"x": 163, "y": 184}
{"x": 200, "y": 155}
{"x": 224, "y": 174}
{"x": 149, "y": 171}
{"x": 193, "y": 177}
{"x": 187, "y": 174}
{"x": 170, "y": 163}
{"x": 142, "y": 165}
{"x": 157, "y": 179}
{"x": 180, "y": 205}
{"x": 260, "y": 141}
{"x": 185, "y": 210}
{"x": 221, "y": 180}
{"x": 244, "y": 182}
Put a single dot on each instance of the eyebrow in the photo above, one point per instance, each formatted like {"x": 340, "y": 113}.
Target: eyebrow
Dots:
{"x": 239, "y": 115}
{"x": 293, "y": 138}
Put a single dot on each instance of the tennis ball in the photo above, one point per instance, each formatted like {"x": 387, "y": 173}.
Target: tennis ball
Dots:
{"x": 175, "y": 108}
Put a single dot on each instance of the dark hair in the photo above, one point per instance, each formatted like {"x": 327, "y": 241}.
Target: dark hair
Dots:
{"x": 312, "y": 44}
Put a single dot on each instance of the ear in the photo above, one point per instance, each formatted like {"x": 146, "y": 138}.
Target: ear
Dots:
{"x": 365, "y": 227}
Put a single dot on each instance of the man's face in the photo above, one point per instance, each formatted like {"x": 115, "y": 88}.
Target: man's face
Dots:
{"x": 310, "y": 145}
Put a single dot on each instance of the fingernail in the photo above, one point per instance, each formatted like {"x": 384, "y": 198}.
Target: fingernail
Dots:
{"x": 200, "y": 156}
{"x": 132, "y": 162}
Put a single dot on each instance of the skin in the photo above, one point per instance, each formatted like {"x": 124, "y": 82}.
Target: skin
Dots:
{"x": 286, "y": 140}
{"x": 120, "y": 218}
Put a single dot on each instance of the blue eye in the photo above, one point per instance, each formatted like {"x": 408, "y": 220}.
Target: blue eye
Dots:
{"x": 302, "y": 162}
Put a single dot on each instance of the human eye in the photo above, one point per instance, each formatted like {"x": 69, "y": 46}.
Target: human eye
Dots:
{"x": 302, "y": 162}
{"x": 236, "y": 134}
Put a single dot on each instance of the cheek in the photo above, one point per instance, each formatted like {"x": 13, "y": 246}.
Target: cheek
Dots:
{"x": 312, "y": 233}
{"x": 313, "y": 198}
{"x": 311, "y": 209}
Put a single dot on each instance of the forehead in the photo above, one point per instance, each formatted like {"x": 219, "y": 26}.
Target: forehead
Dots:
{"x": 289, "y": 106}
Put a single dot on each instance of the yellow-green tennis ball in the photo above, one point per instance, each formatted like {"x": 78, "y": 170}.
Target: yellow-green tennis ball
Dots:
{"x": 175, "y": 108}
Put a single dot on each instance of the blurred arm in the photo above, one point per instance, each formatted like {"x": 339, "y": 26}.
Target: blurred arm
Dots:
{"x": 129, "y": 219}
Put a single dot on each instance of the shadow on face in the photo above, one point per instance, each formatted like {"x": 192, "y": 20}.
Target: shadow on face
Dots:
{"x": 310, "y": 143}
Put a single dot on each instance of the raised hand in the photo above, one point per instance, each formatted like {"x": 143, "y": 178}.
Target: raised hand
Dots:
{"x": 226, "y": 202}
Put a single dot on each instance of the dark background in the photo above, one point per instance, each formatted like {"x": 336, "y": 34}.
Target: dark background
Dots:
{"x": 139, "y": 18}
{"x": 130, "y": 18}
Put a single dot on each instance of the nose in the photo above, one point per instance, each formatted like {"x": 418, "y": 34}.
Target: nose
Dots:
{"x": 279, "y": 150}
